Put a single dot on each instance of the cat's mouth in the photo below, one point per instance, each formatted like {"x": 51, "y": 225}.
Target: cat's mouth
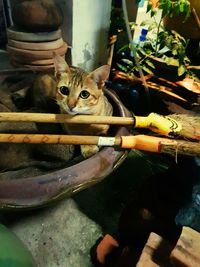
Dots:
{"x": 77, "y": 111}
{"x": 71, "y": 112}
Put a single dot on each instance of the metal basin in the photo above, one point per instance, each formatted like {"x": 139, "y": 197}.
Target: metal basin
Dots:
{"x": 38, "y": 191}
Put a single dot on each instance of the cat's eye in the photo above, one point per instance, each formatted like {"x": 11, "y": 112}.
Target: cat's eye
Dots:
{"x": 64, "y": 90}
{"x": 84, "y": 94}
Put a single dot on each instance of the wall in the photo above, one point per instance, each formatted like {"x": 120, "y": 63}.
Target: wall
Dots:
{"x": 91, "y": 21}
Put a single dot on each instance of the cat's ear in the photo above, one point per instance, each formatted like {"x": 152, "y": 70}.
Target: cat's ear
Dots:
{"x": 100, "y": 75}
{"x": 60, "y": 65}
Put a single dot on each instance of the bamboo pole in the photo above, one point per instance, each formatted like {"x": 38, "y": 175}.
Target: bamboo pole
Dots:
{"x": 139, "y": 142}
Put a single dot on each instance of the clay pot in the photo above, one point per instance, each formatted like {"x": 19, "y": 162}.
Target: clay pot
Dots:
{"x": 37, "y": 191}
{"x": 36, "y": 15}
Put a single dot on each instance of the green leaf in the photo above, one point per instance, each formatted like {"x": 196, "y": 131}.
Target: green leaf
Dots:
{"x": 174, "y": 52}
{"x": 181, "y": 7}
{"x": 149, "y": 7}
{"x": 172, "y": 61}
{"x": 133, "y": 25}
{"x": 150, "y": 64}
{"x": 123, "y": 48}
{"x": 123, "y": 68}
{"x": 145, "y": 68}
{"x": 127, "y": 61}
{"x": 181, "y": 70}
{"x": 161, "y": 45}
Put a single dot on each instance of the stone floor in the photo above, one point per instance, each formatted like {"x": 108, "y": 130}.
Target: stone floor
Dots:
{"x": 63, "y": 234}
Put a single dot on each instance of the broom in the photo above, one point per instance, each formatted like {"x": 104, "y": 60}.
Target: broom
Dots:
{"x": 139, "y": 142}
{"x": 175, "y": 125}
{"x": 183, "y": 126}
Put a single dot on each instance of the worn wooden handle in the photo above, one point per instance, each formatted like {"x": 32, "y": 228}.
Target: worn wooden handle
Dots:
{"x": 59, "y": 139}
{"x": 139, "y": 142}
{"x": 64, "y": 118}
{"x": 172, "y": 125}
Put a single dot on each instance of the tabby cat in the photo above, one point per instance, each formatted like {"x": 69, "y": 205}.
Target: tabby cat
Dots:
{"x": 75, "y": 91}
{"x": 80, "y": 92}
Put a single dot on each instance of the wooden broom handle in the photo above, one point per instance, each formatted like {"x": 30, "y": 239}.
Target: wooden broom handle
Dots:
{"x": 64, "y": 118}
{"x": 160, "y": 123}
{"x": 164, "y": 125}
{"x": 59, "y": 139}
{"x": 140, "y": 142}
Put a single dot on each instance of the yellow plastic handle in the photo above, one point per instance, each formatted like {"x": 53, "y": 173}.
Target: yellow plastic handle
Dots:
{"x": 159, "y": 124}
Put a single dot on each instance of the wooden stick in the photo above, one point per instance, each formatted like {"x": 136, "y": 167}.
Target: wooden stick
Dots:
{"x": 139, "y": 142}
{"x": 196, "y": 17}
{"x": 59, "y": 139}
{"x": 64, "y": 118}
{"x": 165, "y": 90}
{"x": 181, "y": 125}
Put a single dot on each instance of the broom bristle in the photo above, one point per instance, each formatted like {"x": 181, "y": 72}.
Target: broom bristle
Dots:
{"x": 190, "y": 126}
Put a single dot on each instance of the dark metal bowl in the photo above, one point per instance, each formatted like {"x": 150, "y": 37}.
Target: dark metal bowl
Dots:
{"x": 37, "y": 191}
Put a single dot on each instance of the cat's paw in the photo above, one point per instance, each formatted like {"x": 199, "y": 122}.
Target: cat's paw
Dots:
{"x": 89, "y": 150}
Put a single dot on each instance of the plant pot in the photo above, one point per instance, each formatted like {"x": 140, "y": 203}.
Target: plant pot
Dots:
{"x": 41, "y": 190}
{"x": 36, "y": 15}
{"x": 188, "y": 29}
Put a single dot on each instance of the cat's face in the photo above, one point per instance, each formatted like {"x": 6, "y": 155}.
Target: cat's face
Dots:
{"x": 79, "y": 92}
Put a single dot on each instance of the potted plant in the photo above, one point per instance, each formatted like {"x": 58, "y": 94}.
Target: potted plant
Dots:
{"x": 162, "y": 54}
{"x": 179, "y": 15}
{"x": 167, "y": 48}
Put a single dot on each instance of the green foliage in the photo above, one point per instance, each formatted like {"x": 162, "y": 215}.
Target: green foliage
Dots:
{"x": 166, "y": 48}
{"x": 171, "y": 8}
{"x": 161, "y": 48}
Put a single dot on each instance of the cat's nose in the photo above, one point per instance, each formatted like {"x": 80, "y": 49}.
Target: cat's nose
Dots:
{"x": 71, "y": 104}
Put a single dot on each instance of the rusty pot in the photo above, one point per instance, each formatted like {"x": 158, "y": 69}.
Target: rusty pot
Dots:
{"x": 36, "y": 15}
{"x": 42, "y": 190}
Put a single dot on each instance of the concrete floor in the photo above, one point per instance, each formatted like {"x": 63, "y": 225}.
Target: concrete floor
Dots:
{"x": 58, "y": 236}
{"x": 63, "y": 234}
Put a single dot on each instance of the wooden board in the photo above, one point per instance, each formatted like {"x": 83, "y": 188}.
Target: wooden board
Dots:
{"x": 36, "y": 55}
{"x": 14, "y": 34}
{"x": 155, "y": 252}
{"x": 49, "y": 45}
{"x": 187, "y": 249}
